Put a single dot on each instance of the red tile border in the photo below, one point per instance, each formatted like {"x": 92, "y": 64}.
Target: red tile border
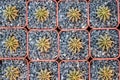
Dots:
{"x": 26, "y": 13}
{"x": 87, "y": 25}
{"x": 105, "y": 29}
{"x": 22, "y": 26}
{"x": 58, "y": 38}
{"x": 106, "y": 60}
{"x": 15, "y": 28}
{"x": 118, "y": 5}
{"x": 42, "y": 61}
{"x": 119, "y": 69}
{"x": 19, "y": 59}
{"x": 67, "y": 30}
{"x": 35, "y": 30}
{"x": 74, "y": 61}
{"x": 56, "y": 25}
{"x": 118, "y": 14}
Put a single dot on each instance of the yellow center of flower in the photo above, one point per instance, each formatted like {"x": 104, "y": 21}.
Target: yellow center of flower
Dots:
{"x": 105, "y": 42}
{"x": 12, "y": 73}
{"x": 12, "y": 43}
{"x": 73, "y": 14}
{"x": 41, "y": 14}
{"x": 10, "y": 13}
{"x": 103, "y": 13}
{"x": 75, "y": 45}
{"x": 105, "y": 73}
{"x": 43, "y": 44}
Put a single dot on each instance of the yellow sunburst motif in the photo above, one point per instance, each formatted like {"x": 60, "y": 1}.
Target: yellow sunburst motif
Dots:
{"x": 73, "y": 14}
{"x": 103, "y": 13}
{"x": 12, "y": 43}
{"x": 42, "y": 14}
{"x": 12, "y": 73}
{"x": 11, "y": 13}
{"x": 43, "y": 44}
{"x": 106, "y": 73}
{"x": 44, "y": 75}
{"x": 105, "y": 42}
{"x": 75, "y": 75}
{"x": 75, "y": 45}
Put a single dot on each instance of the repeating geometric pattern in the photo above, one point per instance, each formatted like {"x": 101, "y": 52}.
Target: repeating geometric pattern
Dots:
{"x": 59, "y": 39}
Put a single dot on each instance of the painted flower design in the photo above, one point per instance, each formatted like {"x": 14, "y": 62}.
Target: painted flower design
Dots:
{"x": 11, "y": 13}
{"x": 73, "y": 14}
{"x": 75, "y": 45}
{"x": 12, "y": 43}
{"x": 43, "y": 44}
{"x": 105, "y": 42}
{"x": 44, "y": 75}
{"x": 12, "y": 73}
{"x": 106, "y": 73}
{"x": 42, "y": 14}
{"x": 103, "y": 13}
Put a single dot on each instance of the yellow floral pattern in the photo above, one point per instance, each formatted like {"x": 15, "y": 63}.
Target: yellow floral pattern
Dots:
{"x": 11, "y": 13}
{"x": 75, "y": 45}
{"x": 103, "y": 13}
{"x": 43, "y": 44}
{"x": 12, "y": 73}
{"x": 105, "y": 42}
{"x": 42, "y": 14}
{"x": 12, "y": 43}
{"x": 106, "y": 73}
{"x": 73, "y": 14}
